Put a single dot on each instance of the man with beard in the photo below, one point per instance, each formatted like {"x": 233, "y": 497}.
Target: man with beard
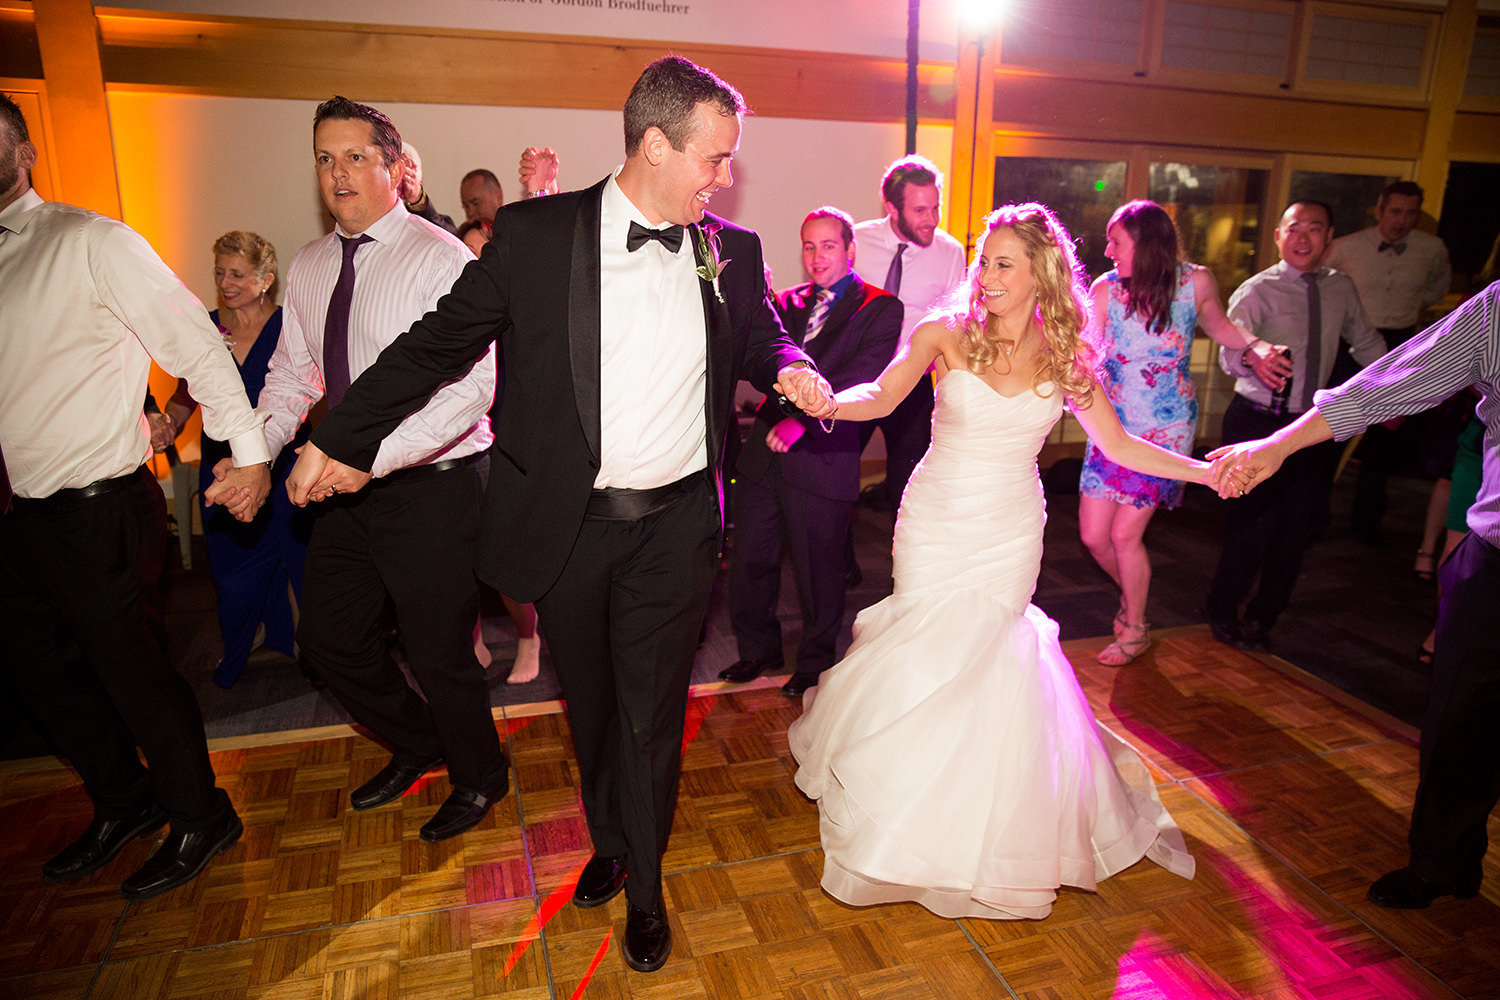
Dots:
{"x": 906, "y": 253}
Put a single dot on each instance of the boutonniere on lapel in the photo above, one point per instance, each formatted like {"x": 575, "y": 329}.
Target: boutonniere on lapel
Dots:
{"x": 710, "y": 266}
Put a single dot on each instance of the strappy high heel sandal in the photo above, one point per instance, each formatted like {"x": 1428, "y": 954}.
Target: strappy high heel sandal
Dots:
{"x": 1120, "y": 622}
{"x": 1130, "y": 643}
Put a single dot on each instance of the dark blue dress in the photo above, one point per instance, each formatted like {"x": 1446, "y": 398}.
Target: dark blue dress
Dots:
{"x": 254, "y": 563}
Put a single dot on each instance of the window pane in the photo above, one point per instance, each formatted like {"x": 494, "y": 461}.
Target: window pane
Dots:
{"x": 1351, "y": 196}
{"x": 1218, "y": 212}
{"x": 1083, "y": 193}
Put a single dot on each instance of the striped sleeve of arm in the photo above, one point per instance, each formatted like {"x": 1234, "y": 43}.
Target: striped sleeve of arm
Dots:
{"x": 1420, "y": 373}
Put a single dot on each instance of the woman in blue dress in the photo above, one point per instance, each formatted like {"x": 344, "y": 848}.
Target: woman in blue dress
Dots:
{"x": 1145, "y": 313}
{"x": 253, "y": 564}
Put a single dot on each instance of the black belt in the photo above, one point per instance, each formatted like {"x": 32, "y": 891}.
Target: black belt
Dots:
{"x": 103, "y": 487}
{"x": 430, "y": 469}
{"x": 1287, "y": 415}
{"x": 614, "y": 503}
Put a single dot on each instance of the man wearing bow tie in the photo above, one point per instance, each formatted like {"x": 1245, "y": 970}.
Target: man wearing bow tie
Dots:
{"x": 797, "y": 482}
{"x": 625, "y": 314}
{"x": 1399, "y": 272}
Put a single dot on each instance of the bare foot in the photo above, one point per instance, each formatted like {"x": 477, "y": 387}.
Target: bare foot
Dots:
{"x": 528, "y": 660}
{"x": 481, "y": 651}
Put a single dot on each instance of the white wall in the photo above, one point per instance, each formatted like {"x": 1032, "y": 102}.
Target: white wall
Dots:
{"x": 192, "y": 168}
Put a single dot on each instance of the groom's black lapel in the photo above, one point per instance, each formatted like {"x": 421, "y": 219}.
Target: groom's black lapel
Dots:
{"x": 583, "y": 314}
{"x": 716, "y": 326}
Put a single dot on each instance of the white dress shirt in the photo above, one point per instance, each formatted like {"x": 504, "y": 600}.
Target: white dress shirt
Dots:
{"x": 928, "y": 274}
{"x": 653, "y": 355}
{"x": 1393, "y": 287}
{"x": 398, "y": 277}
{"x": 1272, "y": 305}
{"x": 85, "y": 304}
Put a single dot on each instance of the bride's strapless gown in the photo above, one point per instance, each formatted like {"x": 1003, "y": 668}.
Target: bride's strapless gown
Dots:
{"x": 955, "y": 759}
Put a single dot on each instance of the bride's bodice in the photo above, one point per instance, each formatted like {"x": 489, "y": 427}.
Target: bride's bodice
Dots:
{"x": 973, "y": 512}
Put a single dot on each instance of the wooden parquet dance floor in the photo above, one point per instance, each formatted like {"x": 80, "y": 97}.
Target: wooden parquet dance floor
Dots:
{"x": 1291, "y": 802}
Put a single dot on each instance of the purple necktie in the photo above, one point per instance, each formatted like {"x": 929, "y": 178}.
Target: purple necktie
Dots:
{"x": 336, "y": 326}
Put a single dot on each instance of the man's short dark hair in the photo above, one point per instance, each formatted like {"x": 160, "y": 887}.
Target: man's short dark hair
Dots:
{"x": 1405, "y": 189}
{"x": 667, "y": 93}
{"x": 383, "y": 132}
{"x": 13, "y": 120}
{"x": 914, "y": 169}
{"x": 1327, "y": 212}
{"x": 484, "y": 174}
{"x": 845, "y": 220}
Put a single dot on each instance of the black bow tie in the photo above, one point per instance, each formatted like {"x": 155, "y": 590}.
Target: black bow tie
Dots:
{"x": 639, "y": 236}
{"x": 1400, "y": 248}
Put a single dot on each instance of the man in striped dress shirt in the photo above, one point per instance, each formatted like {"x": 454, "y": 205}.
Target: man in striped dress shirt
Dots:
{"x": 413, "y": 535}
{"x": 1460, "y": 762}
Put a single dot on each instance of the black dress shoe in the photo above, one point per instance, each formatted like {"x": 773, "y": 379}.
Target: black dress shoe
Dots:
{"x": 797, "y": 684}
{"x": 101, "y": 842}
{"x": 1228, "y": 633}
{"x": 463, "y": 810}
{"x": 181, "y": 857}
{"x": 1404, "y": 889}
{"x": 741, "y": 671}
{"x": 389, "y": 784}
{"x": 648, "y": 939}
{"x": 1256, "y": 637}
{"x": 601, "y": 881}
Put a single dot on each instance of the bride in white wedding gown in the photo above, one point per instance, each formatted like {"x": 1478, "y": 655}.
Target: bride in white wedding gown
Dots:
{"x": 955, "y": 759}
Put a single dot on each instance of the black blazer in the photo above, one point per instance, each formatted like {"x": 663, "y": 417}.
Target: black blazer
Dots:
{"x": 535, "y": 288}
{"x": 856, "y": 343}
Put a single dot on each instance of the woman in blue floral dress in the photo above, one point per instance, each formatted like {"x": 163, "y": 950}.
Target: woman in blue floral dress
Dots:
{"x": 1145, "y": 314}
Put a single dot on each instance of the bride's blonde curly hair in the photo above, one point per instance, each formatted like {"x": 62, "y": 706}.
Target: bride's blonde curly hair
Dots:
{"x": 1062, "y": 303}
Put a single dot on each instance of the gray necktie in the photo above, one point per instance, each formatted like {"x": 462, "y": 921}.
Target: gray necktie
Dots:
{"x": 1312, "y": 380}
{"x": 893, "y": 274}
{"x": 819, "y": 314}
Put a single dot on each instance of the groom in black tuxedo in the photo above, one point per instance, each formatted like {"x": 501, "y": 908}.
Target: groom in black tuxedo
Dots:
{"x": 625, "y": 315}
{"x": 797, "y": 482}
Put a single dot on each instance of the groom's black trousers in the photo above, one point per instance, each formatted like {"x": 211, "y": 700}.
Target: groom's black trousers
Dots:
{"x": 622, "y": 625}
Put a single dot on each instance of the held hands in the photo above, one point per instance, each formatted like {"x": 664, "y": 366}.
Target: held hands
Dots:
{"x": 163, "y": 433}
{"x": 1268, "y": 364}
{"x": 316, "y": 477}
{"x": 786, "y": 433}
{"x": 1236, "y": 469}
{"x": 241, "y": 490}
{"x": 807, "y": 390}
{"x": 538, "y": 171}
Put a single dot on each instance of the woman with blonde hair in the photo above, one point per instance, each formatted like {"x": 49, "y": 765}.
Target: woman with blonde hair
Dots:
{"x": 256, "y": 567}
{"x": 953, "y": 755}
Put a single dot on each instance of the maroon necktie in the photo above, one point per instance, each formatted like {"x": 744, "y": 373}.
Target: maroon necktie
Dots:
{"x": 336, "y": 327}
